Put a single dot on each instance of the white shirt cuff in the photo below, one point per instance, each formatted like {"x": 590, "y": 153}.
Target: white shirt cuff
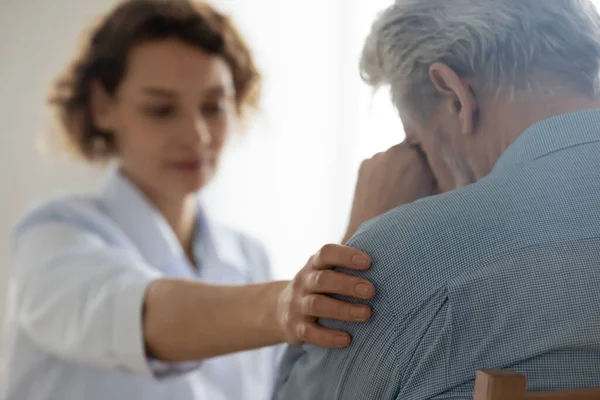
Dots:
{"x": 128, "y": 336}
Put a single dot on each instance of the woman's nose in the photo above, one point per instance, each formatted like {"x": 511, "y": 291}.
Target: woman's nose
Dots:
{"x": 200, "y": 132}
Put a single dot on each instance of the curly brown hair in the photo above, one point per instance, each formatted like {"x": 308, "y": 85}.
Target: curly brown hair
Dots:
{"x": 104, "y": 60}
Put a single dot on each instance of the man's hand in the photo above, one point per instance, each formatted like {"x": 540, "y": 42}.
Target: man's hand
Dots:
{"x": 395, "y": 177}
{"x": 306, "y": 298}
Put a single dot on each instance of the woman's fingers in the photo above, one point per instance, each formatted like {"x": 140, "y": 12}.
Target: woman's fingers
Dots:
{"x": 306, "y": 298}
{"x": 321, "y": 306}
{"x": 310, "y": 332}
{"x": 335, "y": 255}
{"x": 332, "y": 282}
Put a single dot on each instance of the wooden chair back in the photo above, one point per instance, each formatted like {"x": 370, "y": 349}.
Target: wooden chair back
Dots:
{"x": 497, "y": 384}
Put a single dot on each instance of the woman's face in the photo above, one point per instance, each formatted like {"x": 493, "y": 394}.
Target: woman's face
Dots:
{"x": 171, "y": 115}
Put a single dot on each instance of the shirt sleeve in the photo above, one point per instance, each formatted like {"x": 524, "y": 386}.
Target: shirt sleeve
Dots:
{"x": 371, "y": 368}
{"x": 368, "y": 369}
{"x": 81, "y": 299}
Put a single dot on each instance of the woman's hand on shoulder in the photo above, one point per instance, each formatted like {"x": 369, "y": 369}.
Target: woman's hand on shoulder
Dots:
{"x": 306, "y": 298}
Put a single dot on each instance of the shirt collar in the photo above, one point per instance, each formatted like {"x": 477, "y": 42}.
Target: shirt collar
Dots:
{"x": 551, "y": 135}
{"x": 152, "y": 235}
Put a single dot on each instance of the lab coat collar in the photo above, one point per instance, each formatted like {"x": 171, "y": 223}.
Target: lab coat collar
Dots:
{"x": 156, "y": 241}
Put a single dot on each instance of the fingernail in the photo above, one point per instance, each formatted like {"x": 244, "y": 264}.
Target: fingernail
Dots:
{"x": 361, "y": 260}
{"x": 341, "y": 341}
{"x": 363, "y": 289}
{"x": 359, "y": 312}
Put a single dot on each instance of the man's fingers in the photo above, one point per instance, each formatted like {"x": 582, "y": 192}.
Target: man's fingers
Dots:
{"x": 311, "y": 332}
{"x": 332, "y": 282}
{"x": 334, "y": 255}
{"x": 321, "y": 306}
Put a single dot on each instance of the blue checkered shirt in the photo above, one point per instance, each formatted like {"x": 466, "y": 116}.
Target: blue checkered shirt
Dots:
{"x": 504, "y": 273}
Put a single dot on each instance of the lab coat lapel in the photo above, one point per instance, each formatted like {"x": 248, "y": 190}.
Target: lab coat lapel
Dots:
{"x": 145, "y": 226}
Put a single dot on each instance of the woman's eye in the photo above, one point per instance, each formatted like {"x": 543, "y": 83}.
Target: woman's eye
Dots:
{"x": 160, "y": 111}
{"x": 213, "y": 109}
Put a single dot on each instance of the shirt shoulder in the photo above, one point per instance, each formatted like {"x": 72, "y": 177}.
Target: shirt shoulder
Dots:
{"x": 417, "y": 248}
{"x": 241, "y": 249}
{"x": 82, "y": 211}
{"x": 244, "y": 240}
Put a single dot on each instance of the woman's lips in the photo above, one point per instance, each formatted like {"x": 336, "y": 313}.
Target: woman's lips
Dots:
{"x": 190, "y": 165}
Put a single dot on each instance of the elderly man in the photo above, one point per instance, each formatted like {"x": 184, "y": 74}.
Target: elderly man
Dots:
{"x": 503, "y": 269}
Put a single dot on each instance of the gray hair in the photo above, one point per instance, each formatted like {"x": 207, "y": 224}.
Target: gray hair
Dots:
{"x": 508, "y": 44}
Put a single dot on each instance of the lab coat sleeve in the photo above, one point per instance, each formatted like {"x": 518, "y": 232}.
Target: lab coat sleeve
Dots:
{"x": 256, "y": 252}
{"x": 81, "y": 298}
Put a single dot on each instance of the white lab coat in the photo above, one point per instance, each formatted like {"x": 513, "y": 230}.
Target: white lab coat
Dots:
{"x": 79, "y": 271}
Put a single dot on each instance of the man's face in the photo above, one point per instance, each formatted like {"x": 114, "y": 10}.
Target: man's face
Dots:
{"x": 446, "y": 148}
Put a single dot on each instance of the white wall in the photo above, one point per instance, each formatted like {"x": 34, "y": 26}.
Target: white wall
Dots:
{"x": 291, "y": 184}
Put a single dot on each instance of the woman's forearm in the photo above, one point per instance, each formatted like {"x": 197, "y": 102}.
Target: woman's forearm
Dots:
{"x": 187, "y": 320}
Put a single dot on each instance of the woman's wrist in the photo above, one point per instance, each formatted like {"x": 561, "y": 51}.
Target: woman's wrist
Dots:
{"x": 271, "y": 311}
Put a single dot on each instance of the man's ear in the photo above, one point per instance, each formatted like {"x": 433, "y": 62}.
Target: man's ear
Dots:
{"x": 102, "y": 108}
{"x": 456, "y": 94}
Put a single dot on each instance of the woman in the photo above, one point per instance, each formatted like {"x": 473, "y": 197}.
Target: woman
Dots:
{"x": 119, "y": 294}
